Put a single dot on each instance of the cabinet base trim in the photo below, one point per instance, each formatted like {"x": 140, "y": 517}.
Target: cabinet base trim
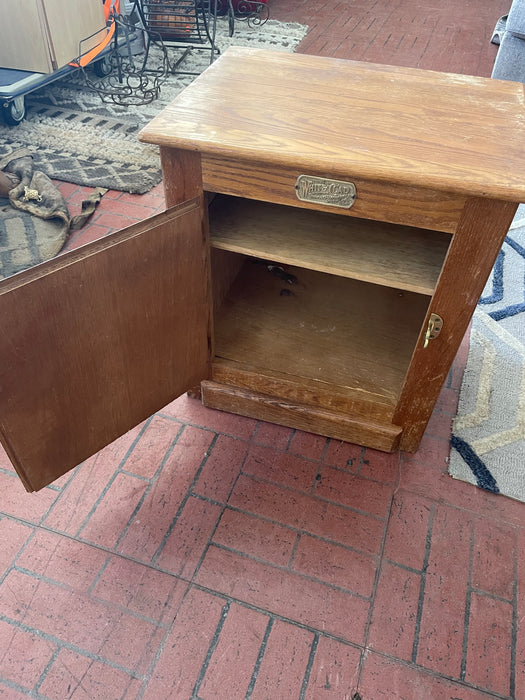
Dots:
{"x": 275, "y": 410}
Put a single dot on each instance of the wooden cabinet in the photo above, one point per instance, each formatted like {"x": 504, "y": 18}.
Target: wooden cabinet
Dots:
{"x": 43, "y": 35}
{"x": 330, "y": 228}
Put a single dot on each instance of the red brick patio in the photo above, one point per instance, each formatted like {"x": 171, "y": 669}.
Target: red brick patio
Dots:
{"x": 210, "y": 556}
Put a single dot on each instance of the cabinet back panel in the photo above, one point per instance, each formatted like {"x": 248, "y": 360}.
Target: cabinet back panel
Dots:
{"x": 325, "y": 328}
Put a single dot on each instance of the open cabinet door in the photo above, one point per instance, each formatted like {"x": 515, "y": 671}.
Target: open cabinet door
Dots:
{"x": 98, "y": 339}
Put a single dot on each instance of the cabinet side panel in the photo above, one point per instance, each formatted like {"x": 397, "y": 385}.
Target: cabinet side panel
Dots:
{"x": 99, "y": 339}
{"x": 472, "y": 253}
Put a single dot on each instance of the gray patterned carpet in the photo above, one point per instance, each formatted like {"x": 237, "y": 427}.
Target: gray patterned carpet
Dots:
{"x": 75, "y": 137}
{"x": 26, "y": 240}
{"x": 489, "y": 431}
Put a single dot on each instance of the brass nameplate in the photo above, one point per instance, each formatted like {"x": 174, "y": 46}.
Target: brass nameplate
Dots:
{"x": 323, "y": 190}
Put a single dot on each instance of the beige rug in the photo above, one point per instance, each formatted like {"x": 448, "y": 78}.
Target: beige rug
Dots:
{"x": 488, "y": 443}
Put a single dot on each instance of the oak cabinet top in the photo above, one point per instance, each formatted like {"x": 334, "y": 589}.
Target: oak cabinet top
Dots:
{"x": 450, "y": 132}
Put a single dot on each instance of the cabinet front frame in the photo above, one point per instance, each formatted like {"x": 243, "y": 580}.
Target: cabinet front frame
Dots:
{"x": 478, "y": 226}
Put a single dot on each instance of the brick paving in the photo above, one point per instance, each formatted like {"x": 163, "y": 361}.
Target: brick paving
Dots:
{"x": 205, "y": 555}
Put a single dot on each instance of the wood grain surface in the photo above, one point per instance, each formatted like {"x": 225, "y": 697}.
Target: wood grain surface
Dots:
{"x": 275, "y": 409}
{"x": 326, "y": 328}
{"x": 381, "y": 201}
{"x": 98, "y": 339}
{"x": 370, "y": 251}
{"x": 455, "y": 133}
{"x": 470, "y": 258}
{"x": 306, "y": 392}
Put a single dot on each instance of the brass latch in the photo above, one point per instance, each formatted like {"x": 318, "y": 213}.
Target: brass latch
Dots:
{"x": 435, "y": 324}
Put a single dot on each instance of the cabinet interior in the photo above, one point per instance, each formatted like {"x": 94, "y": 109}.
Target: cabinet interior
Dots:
{"x": 319, "y": 300}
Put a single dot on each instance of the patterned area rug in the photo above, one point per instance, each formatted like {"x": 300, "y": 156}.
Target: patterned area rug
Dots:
{"x": 26, "y": 240}
{"x": 34, "y": 216}
{"x": 75, "y": 137}
{"x": 489, "y": 431}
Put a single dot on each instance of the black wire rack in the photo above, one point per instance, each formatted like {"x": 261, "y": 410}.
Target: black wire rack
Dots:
{"x": 188, "y": 24}
{"x": 184, "y": 22}
{"x": 254, "y": 12}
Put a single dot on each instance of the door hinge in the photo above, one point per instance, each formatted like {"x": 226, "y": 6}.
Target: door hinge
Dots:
{"x": 435, "y": 324}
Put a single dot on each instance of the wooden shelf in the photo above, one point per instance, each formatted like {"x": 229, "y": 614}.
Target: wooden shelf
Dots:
{"x": 386, "y": 254}
{"x": 324, "y": 328}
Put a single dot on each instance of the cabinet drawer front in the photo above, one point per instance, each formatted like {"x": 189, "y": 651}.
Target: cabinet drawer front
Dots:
{"x": 382, "y": 201}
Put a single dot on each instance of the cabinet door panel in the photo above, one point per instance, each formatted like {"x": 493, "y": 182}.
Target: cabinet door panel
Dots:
{"x": 96, "y": 340}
